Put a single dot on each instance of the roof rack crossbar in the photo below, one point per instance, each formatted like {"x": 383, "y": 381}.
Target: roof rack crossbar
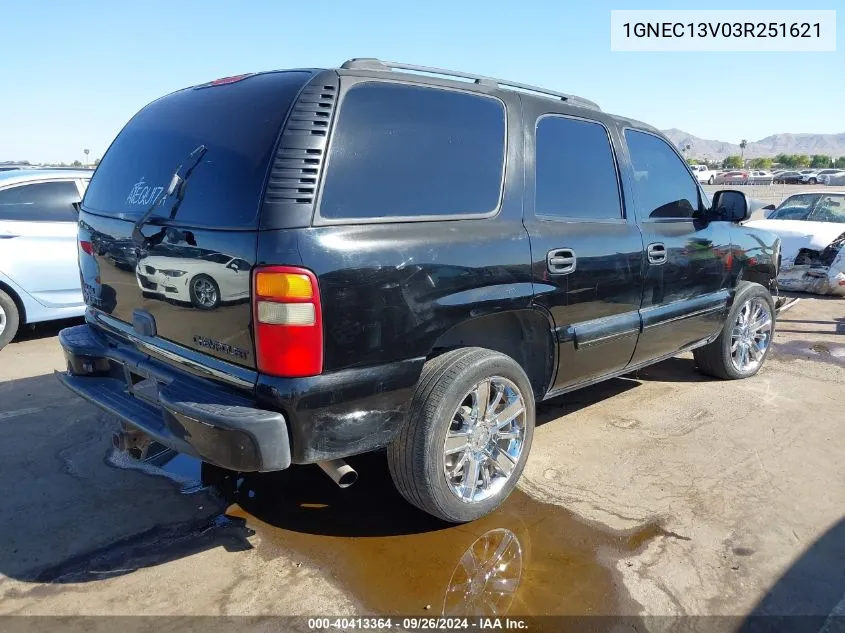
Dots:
{"x": 378, "y": 64}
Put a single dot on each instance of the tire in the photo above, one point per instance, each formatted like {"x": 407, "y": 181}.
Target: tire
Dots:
{"x": 813, "y": 181}
{"x": 9, "y": 319}
{"x": 205, "y": 293}
{"x": 716, "y": 359}
{"x": 443, "y": 401}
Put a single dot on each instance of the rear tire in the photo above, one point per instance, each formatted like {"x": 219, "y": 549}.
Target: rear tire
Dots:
{"x": 9, "y": 319}
{"x": 449, "y": 401}
{"x": 750, "y": 326}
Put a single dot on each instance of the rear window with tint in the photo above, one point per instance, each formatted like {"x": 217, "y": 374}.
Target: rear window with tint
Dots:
{"x": 238, "y": 123}
{"x": 410, "y": 151}
{"x": 40, "y": 202}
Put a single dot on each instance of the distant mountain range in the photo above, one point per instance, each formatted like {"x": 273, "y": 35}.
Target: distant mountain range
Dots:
{"x": 769, "y": 147}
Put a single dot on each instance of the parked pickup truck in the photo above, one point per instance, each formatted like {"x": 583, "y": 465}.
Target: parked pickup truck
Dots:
{"x": 703, "y": 174}
{"x": 418, "y": 261}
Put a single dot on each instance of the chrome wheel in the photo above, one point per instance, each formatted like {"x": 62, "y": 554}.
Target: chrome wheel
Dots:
{"x": 485, "y": 440}
{"x": 751, "y": 335}
{"x": 2, "y": 320}
{"x": 205, "y": 292}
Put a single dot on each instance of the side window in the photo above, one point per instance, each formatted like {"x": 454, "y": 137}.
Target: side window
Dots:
{"x": 409, "y": 151}
{"x": 663, "y": 186}
{"x": 575, "y": 172}
{"x": 40, "y": 202}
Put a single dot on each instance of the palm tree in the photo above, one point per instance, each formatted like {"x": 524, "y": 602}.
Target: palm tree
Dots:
{"x": 742, "y": 145}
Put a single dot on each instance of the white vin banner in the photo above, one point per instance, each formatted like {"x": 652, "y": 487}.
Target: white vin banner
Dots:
{"x": 723, "y": 30}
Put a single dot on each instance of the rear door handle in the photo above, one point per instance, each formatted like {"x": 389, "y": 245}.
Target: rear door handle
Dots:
{"x": 656, "y": 253}
{"x": 561, "y": 261}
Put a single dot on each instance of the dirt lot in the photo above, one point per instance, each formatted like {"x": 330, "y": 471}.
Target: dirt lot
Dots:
{"x": 659, "y": 493}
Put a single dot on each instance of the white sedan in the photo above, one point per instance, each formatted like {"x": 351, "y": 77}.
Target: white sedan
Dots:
{"x": 811, "y": 226}
{"x": 204, "y": 282}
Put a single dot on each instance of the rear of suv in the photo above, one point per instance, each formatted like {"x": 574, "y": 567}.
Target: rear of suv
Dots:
{"x": 299, "y": 266}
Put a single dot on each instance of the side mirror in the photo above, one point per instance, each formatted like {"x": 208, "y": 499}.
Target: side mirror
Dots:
{"x": 731, "y": 206}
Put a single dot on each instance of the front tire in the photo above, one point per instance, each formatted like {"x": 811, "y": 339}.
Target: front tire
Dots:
{"x": 467, "y": 437}
{"x": 9, "y": 319}
{"x": 205, "y": 293}
{"x": 746, "y": 337}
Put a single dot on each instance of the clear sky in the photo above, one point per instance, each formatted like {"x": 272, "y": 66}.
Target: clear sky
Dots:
{"x": 72, "y": 73}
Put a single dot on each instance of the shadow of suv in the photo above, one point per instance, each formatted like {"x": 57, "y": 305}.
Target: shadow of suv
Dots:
{"x": 422, "y": 257}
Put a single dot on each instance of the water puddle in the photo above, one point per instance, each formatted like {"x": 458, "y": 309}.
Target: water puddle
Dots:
{"x": 527, "y": 558}
{"x": 184, "y": 470}
{"x": 812, "y": 350}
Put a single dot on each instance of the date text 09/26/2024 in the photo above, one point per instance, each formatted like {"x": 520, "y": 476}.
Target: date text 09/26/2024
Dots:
{"x": 417, "y": 624}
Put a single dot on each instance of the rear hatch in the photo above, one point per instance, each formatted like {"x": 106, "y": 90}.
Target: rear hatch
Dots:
{"x": 189, "y": 266}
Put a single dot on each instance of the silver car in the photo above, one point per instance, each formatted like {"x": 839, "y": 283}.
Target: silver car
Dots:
{"x": 39, "y": 274}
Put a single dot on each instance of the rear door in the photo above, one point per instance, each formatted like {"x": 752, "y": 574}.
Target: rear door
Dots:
{"x": 38, "y": 232}
{"x": 687, "y": 278}
{"x": 587, "y": 254}
{"x": 220, "y": 138}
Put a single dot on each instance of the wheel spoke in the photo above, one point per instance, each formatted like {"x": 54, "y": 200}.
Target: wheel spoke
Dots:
{"x": 511, "y": 411}
{"x": 459, "y": 465}
{"x": 763, "y": 324}
{"x": 497, "y": 399}
{"x": 503, "y": 461}
{"x": 743, "y": 355}
{"x": 471, "y": 477}
{"x": 507, "y": 435}
{"x": 456, "y": 442}
{"x": 756, "y": 353}
{"x": 482, "y": 398}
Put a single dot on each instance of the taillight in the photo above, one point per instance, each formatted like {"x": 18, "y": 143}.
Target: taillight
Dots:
{"x": 288, "y": 321}
{"x": 86, "y": 246}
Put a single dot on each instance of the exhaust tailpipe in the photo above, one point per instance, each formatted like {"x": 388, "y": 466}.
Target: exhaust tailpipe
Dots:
{"x": 341, "y": 473}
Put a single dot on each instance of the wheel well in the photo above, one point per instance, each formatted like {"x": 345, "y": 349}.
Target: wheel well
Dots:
{"x": 17, "y": 300}
{"x": 524, "y": 335}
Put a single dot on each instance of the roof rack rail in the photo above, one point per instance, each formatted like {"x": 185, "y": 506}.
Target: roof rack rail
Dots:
{"x": 371, "y": 63}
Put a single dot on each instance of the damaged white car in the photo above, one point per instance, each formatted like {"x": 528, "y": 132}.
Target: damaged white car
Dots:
{"x": 812, "y": 231}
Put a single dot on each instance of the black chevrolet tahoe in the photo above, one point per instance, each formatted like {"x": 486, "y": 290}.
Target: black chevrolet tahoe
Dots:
{"x": 298, "y": 266}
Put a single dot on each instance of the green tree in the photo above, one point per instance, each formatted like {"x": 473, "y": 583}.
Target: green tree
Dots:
{"x": 732, "y": 162}
{"x": 76, "y": 163}
{"x": 819, "y": 161}
{"x": 742, "y": 145}
{"x": 784, "y": 159}
{"x": 840, "y": 163}
{"x": 761, "y": 163}
{"x": 96, "y": 161}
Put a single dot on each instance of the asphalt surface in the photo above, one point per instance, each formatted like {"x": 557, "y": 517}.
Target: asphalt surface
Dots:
{"x": 663, "y": 493}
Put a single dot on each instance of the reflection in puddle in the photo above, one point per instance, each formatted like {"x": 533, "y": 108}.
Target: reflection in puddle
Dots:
{"x": 527, "y": 558}
{"x": 487, "y": 576}
{"x": 182, "y": 469}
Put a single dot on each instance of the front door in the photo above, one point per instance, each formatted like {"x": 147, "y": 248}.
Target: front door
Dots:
{"x": 587, "y": 256}
{"x": 687, "y": 278}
